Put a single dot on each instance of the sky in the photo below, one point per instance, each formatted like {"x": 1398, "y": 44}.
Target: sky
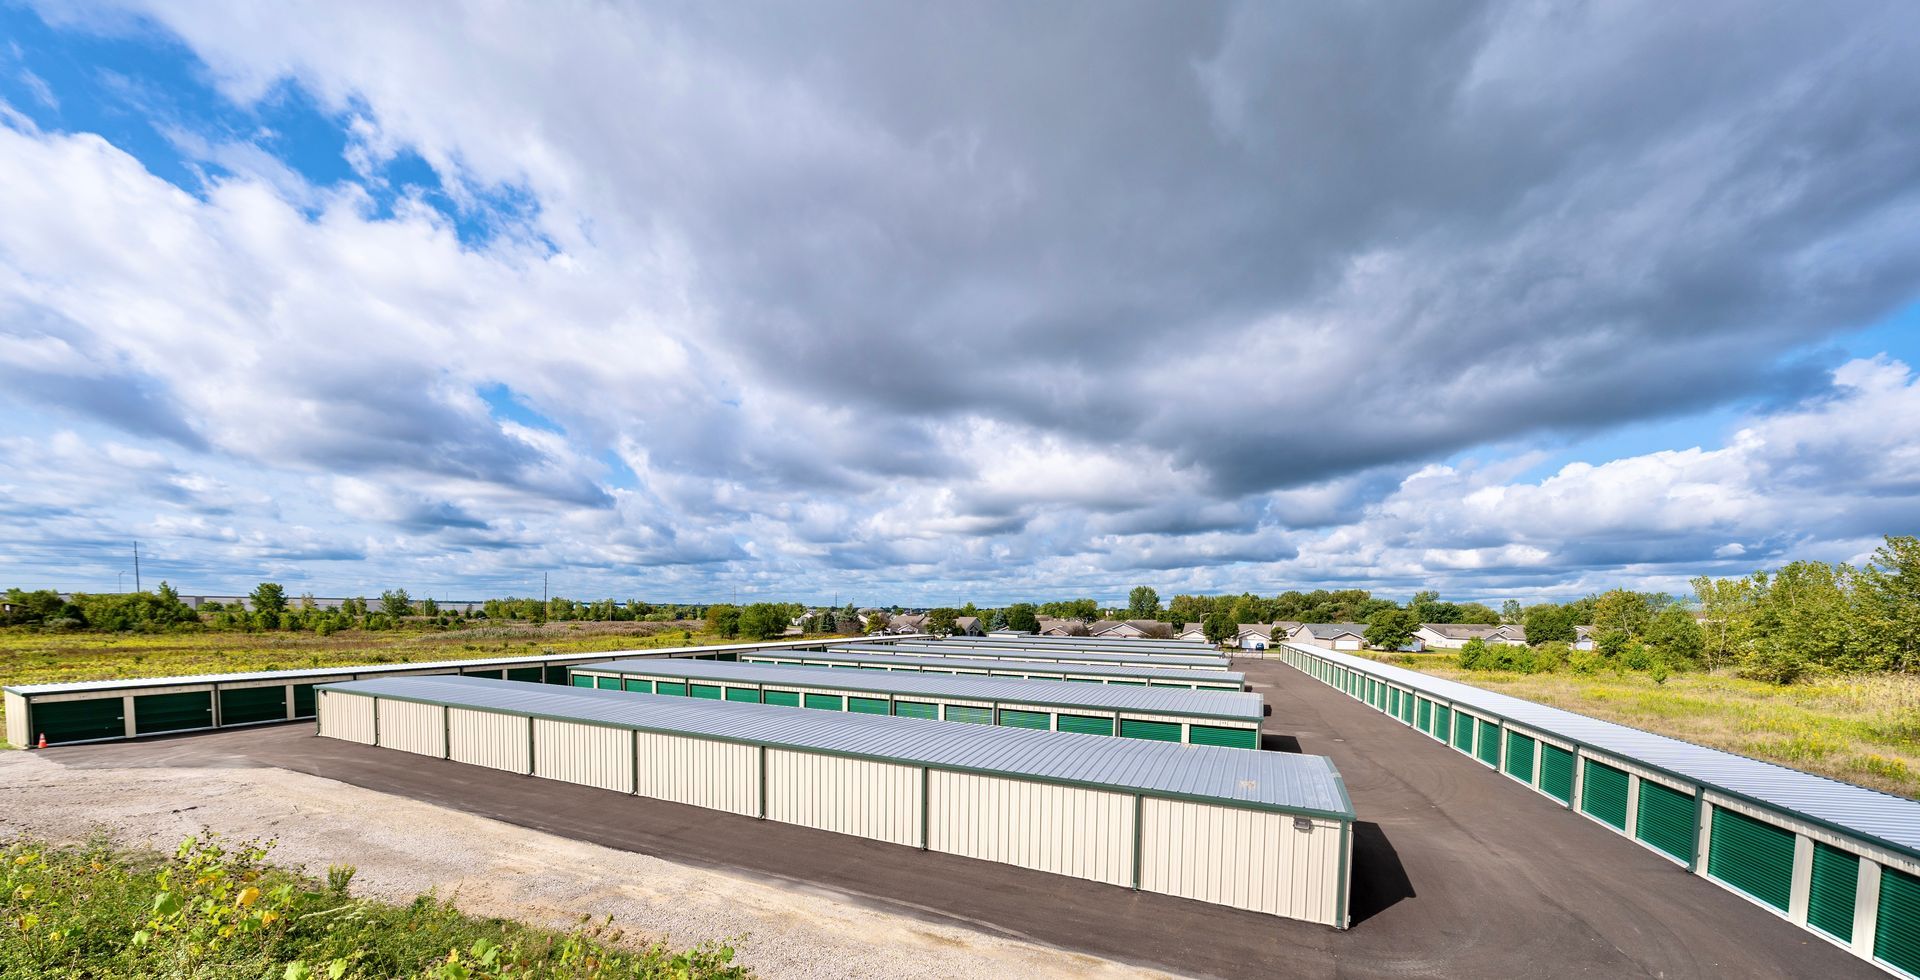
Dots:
{"x": 929, "y": 303}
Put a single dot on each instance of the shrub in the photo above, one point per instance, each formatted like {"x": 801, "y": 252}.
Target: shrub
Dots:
{"x": 1474, "y": 655}
{"x": 1586, "y": 661}
{"x": 1773, "y": 664}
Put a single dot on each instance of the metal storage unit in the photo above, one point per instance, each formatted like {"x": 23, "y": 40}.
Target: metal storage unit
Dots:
{"x": 1225, "y": 718}
{"x": 1118, "y": 659}
{"x": 100, "y": 711}
{"x": 1266, "y": 831}
{"x": 1209, "y": 680}
{"x": 1837, "y": 859}
{"x": 1080, "y": 644}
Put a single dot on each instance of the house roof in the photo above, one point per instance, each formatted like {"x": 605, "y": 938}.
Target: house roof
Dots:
{"x": 1461, "y": 631}
{"x": 1327, "y": 631}
{"x": 1257, "y": 629}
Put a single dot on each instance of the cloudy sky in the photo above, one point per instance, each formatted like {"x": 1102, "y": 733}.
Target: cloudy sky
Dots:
{"x": 917, "y": 302}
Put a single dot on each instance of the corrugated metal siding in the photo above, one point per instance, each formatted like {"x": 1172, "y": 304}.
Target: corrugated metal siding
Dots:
{"x": 487, "y": 738}
{"x": 1080, "y": 833}
{"x": 878, "y": 800}
{"x": 1831, "y": 891}
{"x": 410, "y": 727}
{"x": 17, "y": 720}
{"x": 1753, "y": 857}
{"x": 346, "y": 716}
{"x": 1897, "y": 938}
{"x": 590, "y": 755}
{"x": 700, "y": 772}
{"x": 1248, "y": 860}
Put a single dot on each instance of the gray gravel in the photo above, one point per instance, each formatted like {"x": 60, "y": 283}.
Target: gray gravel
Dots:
{"x": 404, "y": 848}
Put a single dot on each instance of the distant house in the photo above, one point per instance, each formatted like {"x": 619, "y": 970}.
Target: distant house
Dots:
{"x": 1192, "y": 631}
{"x": 1254, "y": 636}
{"x": 1331, "y": 636}
{"x": 1583, "y": 638}
{"x": 907, "y": 623}
{"x": 1062, "y": 627}
{"x": 1132, "y": 629}
{"x": 968, "y": 626}
{"x": 1453, "y": 636}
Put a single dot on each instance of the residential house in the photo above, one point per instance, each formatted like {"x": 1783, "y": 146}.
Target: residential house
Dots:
{"x": 907, "y": 623}
{"x": 1453, "y": 636}
{"x": 1192, "y": 631}
{"x": 1062, "y": 627}
{"x": 1254, "y": 636}
{"x": 968, "y": 626}
{"x": 1132, "y": 629}
{"x": 1583, "y": 638}
{"x": 1331, "y": 636}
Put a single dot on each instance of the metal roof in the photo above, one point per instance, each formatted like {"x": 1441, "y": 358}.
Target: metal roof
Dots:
{"x": 1231, "y": 705}
{"x": 1202, "y": 663}
{"x": 1282, "y": 781}
{"x": 1883, "y": 817}
{"x": 297, "y": 675}
{"x": 1087, "y": 643}
{"x": 998, "y": 663}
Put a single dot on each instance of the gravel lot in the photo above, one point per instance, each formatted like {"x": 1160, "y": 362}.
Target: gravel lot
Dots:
{"x": 404, "y": 848}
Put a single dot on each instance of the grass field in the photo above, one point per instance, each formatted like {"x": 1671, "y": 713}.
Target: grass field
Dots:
{"x": 30, "y": 656}
{"x": 1864, "y": 728}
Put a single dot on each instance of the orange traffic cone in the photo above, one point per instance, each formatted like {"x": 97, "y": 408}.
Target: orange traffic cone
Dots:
{"x": 43, "y": 741}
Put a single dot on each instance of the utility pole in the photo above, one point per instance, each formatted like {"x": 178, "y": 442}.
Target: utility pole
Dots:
{"x": 136, "y": 566}
{"x": 546, "y": 601}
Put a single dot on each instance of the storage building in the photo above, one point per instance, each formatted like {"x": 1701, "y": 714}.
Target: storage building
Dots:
{"x": 1265, "y": 831}
{"x": 1224, "y": 718}
{"x": 1201, "y": 680}
{"x": 939, "y": 649}
{"x": 1839, "y": 860}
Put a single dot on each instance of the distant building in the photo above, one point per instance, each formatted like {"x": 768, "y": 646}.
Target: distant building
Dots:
{"x": 1453, "y": 636}
{"x": 1192, "y": 631}
{"x": 1583, "y": 638}
{"x": 1331, "y": 636}
{"x": 968, "y": 626}
{"x": 1254, "y": 636}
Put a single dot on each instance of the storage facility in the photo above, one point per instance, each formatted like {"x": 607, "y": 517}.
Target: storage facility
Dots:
{"x": 101, "y": 711}
{"x": 1202, "y": 680}
{"x": 1839, "y": 860}
{"x": 1088, "y": 644}
{"x": 1265, "y": 831}
{"x": 937, "y": 648}
{"x": 1223, "y": 718}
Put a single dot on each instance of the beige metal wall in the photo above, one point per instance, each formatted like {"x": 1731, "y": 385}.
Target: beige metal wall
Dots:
{"x": 879, "y": 800}
{"x": 1065, "y": 830}
{"x": 17, "y": 720}
{"x": 410, "y": 727}
{"x": 345, "y": 716}
{"x": 586, "y": 754}
{"x": 700, "y": 772}
{"x": 487, "y": 738}
{"x": 1243, "y": 858}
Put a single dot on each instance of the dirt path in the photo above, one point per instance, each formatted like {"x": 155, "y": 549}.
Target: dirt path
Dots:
{"x": 404, "y": 848}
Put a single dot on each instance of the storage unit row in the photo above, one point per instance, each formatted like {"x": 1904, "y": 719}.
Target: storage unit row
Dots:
{"x": 100, "y": 711}
{"x": 1089, "y": 644}
{"x": 1265, "y": 831}
{"x": 1224, "y": 718}
{"x": 938, "y": 648}
{"x": 1839, "y": 860}
{"x": 1193, "y": 680}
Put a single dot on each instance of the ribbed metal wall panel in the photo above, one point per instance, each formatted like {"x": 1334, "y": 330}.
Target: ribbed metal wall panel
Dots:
{"x": 491, "y": 739}
{"x": 17, "y": 720}
{"x": 346, "y": 716}
{"x": 1242, "y": 858}
{"x": 700, "y": 772}
{"x": 1081, "y": 833}
{"x": 410, "y": 727}
{"x": 847, "y": 796}
{"x": 586, "y": 754}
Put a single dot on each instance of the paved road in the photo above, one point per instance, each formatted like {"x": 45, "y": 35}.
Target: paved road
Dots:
{"x": 1458, "y": 871}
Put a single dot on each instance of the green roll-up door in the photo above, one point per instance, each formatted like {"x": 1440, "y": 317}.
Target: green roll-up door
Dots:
{"x": 750, "y": 695}
{"x": 1836, "y": 875}
{"x": 1406, "y": 708}
{"x": 556, "y": 675}
{"x": 1157, "y": 731}
{"x": 1667, "y": 819}
{"x": 1753, "y": 856}
{"x": 1184, "y": 687}
{"x": 869, "y": 706}
{"x": 789, "y": 699}
{"x": 607, "y": 683}
{"x": 582, "y": 680}
{"x": 303, "y": 701}
{"x": 245, "y": 705}
{"x": 1232, "y": 738}
{"x": 709, "y": 692}
{"x": 1442, "y": 721}
{"x": 1393, "y": 700}
{"x": 1082, "y": 680}
{"x": 915, "y": 709}
{"x": 1463, "y": 732}
{"x": 1128, "y": 683}
{"x": 77, "y": 721}
{"x": 825, "y": 702}
{"x": 1896, "y": 939}
{"x": 1025, "y": 719}
{"x": 533, "y": 675}
{"x": 1556, "y": 772}
{"x": 675, "y": 688}
{"x": 728, "y": 657}
{"x": 1603, "y": 794}
{"x": 172, "y": 712}
{"x": 1520, "y": 757}
{"x": 1489, "y": 743}
{"x": 1423, "y": 719}
{"x": 972, "y": 716}
{"x": 495, "y": 674}
{"x": 1086, "y": 724}
{"x": 637, "y": 685}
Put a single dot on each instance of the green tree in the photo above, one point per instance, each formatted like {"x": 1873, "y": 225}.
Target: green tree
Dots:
{"x": 723, "y": 620}
{"x": 999, "y": 621}
{"x": 268, "y": 597}
{"x": 1476, "y": 655}
{"x": 941, "y": 621}
{"x": 1143, "y": 603}
{"x": 1726, "y": 607}
{"x": 1510, "y": 612}
{"x": 1548, "y": 622}
{"x": 1803, "y": 613}
{"x": 1219, "y": 626}
{"x": 1391, "y": 629}
{"x": 877, "y": 622}
{"x": 763, "y": 621}
{"x": 395, "y": 603}
{"x": 1887, "y": 605}
{"x": 1676, "y": 638}
{"x": 1021, "y": 616}
{"x": 1624, "y": 611}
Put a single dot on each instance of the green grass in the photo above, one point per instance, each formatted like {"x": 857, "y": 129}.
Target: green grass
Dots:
{"x": 1862, "y": 728}
{"x": 32, "y": 656}
{"x": 212, "y": 909}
